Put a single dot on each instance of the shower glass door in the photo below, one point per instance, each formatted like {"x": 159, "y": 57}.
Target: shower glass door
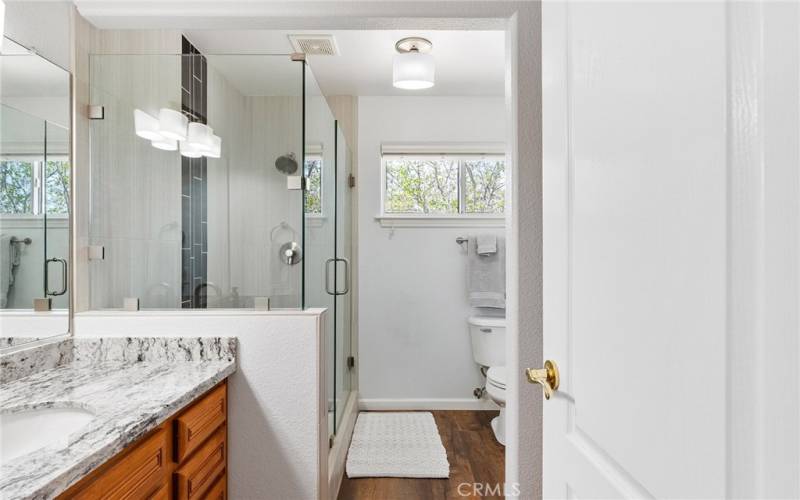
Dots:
{"x": 343, "y": 275}
{"x": 328, "y": 241}
{"x": 319, "y": 210}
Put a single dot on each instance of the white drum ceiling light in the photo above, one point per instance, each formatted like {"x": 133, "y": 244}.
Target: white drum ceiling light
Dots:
{"x": 173, "y": 127}
{"x": 414, "y": 66}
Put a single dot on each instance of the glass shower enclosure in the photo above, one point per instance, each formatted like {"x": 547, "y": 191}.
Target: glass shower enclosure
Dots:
{"x": 261, "y": 223}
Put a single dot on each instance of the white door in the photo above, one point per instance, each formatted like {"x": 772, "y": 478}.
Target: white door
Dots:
{"x": 670, "y": 249}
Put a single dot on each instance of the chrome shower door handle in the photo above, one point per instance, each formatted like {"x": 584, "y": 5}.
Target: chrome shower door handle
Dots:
{"x": 63, "y": 290}
{"x": 333, "y": 291}
{"x": 346, "y": 277}
{"x": 328, "y": 276}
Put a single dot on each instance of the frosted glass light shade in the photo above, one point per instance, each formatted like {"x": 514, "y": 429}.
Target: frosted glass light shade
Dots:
{"x": 190, "y": 151}
{"x": 216, "y": 147}
{"x": 199, "y": 137}
{"x": 172, "y": 124}
{"x": 146, "y": 126}
{"x": 165, "y": 144}
{"x": 413, "y": 71}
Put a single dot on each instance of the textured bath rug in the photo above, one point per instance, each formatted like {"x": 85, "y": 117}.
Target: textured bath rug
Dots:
{"x": 388, "y": 444}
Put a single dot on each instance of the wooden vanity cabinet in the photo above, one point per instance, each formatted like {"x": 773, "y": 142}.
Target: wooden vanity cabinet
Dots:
{"x": 184, "y": 458}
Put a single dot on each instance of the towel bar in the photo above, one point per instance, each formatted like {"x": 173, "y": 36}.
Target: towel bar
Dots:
{"x": 461, "y": 240}
{"x": 27, "y": 241}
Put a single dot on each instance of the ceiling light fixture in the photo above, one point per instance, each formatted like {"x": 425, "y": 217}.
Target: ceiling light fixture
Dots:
{"x": 414, "y": 66}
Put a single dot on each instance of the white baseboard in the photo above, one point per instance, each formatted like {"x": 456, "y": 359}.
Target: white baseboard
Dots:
{"x": 378, "y": 404}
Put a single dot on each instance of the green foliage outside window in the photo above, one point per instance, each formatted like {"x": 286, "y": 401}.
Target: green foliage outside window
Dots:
{"x": 485, "y": 186}
{"x": 444, "y": 186}
{"x": 16, "y": 187}
{"x": 313, "y": 193}
{"x": 57, "y": 187}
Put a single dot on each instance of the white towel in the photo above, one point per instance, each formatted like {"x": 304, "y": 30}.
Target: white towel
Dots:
{"x": 486, "y": 277}
{"x": 487, "y": 244}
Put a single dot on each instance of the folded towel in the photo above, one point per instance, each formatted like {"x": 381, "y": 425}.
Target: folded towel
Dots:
{"x": 486, "y": 277}
{"x": 487, "y": 244}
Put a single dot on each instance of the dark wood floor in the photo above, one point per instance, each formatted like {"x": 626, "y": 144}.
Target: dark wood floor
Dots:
{"x": 475, "y": 457}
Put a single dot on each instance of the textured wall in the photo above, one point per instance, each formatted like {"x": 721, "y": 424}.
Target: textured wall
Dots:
{"x": 277, "y": 418}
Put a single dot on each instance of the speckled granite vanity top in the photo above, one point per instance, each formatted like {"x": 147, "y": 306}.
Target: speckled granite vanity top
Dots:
{"x": 130, "y": 385}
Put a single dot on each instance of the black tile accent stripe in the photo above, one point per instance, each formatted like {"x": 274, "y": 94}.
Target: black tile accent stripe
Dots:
{"x": 194, "y": 186}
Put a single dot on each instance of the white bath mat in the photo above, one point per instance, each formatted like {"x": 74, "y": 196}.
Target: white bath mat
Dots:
{"x": 388, "y": 444}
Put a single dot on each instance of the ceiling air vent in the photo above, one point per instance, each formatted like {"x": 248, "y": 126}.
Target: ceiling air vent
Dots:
{"x": 314, "y": 45}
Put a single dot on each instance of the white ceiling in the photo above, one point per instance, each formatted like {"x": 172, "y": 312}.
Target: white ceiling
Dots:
{"x": 467, "y": 62}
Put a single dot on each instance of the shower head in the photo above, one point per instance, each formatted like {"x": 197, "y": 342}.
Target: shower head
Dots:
{"x": 286, "y": 164}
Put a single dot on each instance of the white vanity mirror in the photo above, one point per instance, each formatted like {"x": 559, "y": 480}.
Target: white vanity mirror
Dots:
{"x": 35, "y": 179}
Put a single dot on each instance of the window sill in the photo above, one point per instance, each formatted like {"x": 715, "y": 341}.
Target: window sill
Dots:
{"x": 392, "y": 221}
{"x": 33, "y": 221}
{"x": 316, "y": 220}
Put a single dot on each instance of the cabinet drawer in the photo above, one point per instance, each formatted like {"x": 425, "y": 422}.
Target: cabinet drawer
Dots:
{"x": 138, "y": 474}
{"x": 220, "y": 489}
{"x": 162, "y": 494}
{"x": 206, "y": 465}
{"x": 195, "y": 425}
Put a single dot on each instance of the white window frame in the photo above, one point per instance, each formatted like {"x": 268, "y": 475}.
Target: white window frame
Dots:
{"x": 37, "y": 187}
{"x": 465, "y": 151}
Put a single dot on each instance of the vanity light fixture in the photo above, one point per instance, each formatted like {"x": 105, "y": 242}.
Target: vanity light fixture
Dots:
{"x": 216, "y": 147}
{"x": 199, "y": 137}
{"x": 146, "y": 126}
{"x": 172, "y": 124}
{"x": 190, "y": 151}
{"x": 173, "y": 131}
{"x": 165, "y": 144}
{"x": 414, "y": 66}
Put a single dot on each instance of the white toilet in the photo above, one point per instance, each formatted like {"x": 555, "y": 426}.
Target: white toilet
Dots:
{"x": 488, "y": 335}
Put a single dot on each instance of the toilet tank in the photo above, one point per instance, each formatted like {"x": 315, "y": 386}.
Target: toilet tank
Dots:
{"x": 488, "y": 337}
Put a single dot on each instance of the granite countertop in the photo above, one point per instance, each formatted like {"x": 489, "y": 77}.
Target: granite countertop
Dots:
{"x": 131, "y": 385}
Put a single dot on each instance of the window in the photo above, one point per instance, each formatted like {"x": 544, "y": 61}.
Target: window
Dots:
{"x": 16, "y": 186}
{"x": 32, "y": 186}
{"x": 313, "y": 192}
{"x": 444, "y": 185}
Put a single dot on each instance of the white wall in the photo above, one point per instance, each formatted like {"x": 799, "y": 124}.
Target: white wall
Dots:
{"x": 276, "y": 416}
{"x": 43, "y": 25}
{"x": 414, "y": 346}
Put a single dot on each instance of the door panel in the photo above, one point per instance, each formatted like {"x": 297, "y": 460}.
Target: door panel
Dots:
{"x": 635, "y": 249}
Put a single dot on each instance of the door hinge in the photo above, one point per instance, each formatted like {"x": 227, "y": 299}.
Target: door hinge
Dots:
{"x": 330, "y": 441}
{"x": 96, "y": 112}
{"x": 351, "y": 180}
{"x": 351, "y": 362}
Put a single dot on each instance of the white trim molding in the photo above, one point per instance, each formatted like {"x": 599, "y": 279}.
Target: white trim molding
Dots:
{"x": 444, "y": 148}
{"x": 393, "y": 221}
{"x": 402, "y": 404}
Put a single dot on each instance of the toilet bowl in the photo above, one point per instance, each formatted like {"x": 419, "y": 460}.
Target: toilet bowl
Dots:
{"x": 496, "y": 389}
{"x": 488, "y": 336}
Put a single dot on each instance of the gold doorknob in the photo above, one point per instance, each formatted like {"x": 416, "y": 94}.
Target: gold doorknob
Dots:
{"x": 547, "y": 377}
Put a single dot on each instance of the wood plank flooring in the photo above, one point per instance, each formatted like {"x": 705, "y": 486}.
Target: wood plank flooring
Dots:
{"x": 477, "y": 465}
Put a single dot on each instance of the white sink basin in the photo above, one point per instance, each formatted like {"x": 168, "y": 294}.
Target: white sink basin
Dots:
{"x": 26, "y": 431}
